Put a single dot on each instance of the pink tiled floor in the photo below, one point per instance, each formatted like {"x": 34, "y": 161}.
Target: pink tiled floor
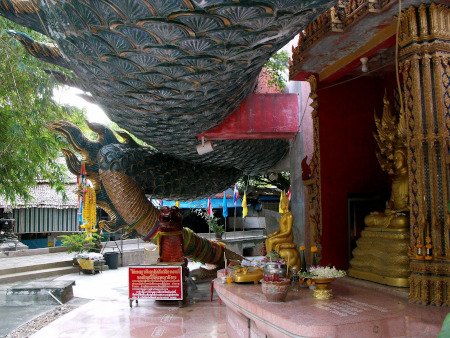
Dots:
{"x": 116, "y": 319}
{"x": 106, "y": 312}
{"x": 357, "y": 310}
{"x": 109, "y": 313}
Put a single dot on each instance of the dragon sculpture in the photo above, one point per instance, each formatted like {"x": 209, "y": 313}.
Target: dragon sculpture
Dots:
{"x": 165, "y": 71}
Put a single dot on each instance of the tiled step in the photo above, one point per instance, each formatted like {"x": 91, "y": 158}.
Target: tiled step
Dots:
{"x": 34, "y": 274}
{"x": 34, "y": 267}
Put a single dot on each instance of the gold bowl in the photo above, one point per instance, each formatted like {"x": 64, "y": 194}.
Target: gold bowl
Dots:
{"x": 323, "y": 290}
{"x": 247, "y": 274}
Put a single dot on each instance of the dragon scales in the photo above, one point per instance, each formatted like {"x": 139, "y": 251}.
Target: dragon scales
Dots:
{"x": 165, "y": 71}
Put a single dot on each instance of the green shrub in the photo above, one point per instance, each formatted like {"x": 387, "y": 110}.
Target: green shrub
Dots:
{"x": 78, "y": 243}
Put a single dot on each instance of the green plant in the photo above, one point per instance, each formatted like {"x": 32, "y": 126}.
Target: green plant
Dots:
{"x": 78, "y": 242}
{"x": 213, "y": 222}
{"x": 214, "y": 226}
{"x": 27, "y": 148}
{"x": 276, "y": 67}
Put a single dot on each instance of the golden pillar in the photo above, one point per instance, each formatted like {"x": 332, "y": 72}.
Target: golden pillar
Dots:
{"x": 313, "y": 183}
{"x": 424, "y": 63}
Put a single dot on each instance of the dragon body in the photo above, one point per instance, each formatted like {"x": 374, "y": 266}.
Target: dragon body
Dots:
{"x": 164, "y": 71}
{"x": 122, "y": 173}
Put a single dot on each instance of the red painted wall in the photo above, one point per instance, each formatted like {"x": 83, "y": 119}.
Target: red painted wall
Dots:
{"x": 348, "y": 160}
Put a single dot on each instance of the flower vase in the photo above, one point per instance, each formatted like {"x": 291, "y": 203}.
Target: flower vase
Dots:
{"x": 218, "y": 235}
{"x": 276, "y": 291}
{"x": 322, "y": 290}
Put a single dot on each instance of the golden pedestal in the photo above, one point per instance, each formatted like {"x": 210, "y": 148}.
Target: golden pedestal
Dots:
{"x": 381, "y": 256}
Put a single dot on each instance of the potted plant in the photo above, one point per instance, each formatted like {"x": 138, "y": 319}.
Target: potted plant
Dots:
{"x": 78, "y": 243}
{"x": 81, "y": 245}
{"x": 275, "y": 284}
{"x": 214, "y": 226}
{"x": 213, "y": 223}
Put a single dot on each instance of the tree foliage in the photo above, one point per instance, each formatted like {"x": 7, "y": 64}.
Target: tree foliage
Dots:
{"x": 28, "y": 150}
{"x": 276, "y": 67}
{"x": 266, "y": 182}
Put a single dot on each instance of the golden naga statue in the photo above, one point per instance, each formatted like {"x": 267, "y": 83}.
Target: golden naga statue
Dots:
{"x": 281, "y": 241}
{"x": 393, "y": 159}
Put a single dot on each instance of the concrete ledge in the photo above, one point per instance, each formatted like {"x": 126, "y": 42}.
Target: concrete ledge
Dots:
{"x": 140, "y": 257}
{"x": 109, "y": 246}
{"x": 42, "y": 292}
{"x": 355, "y": 311}
{"x": 32, "y": 252}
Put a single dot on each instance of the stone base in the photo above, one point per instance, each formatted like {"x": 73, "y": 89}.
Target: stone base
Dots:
{"x": 42, "y": 292}
{"x": 14, "y": 245}
{"x": 355, "y": 311}
{"x": 381, "y": 256}
{"x": 373, "y": 277}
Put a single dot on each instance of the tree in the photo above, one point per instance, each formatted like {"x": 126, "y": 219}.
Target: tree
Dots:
{"x": 266, "y": 182}
{"x": 27, "y": 149}
{"x": 276, "y": 67}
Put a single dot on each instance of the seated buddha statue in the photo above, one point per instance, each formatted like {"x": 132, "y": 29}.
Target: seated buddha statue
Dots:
{"x": 284, "y": 233}
{"x": 281, "y": 241}
{"x": 396, "y": 215}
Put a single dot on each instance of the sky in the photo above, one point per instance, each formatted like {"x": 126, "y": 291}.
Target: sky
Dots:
{"x": 66, "y": 95}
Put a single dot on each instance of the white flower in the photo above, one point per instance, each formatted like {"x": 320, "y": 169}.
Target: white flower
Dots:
{"x": 326, "y": 272}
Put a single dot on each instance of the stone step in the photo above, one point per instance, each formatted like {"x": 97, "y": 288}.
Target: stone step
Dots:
{"x": 34, "y": 274}
{"x": 41, "y": 292}
{"x": 37, "y": 266}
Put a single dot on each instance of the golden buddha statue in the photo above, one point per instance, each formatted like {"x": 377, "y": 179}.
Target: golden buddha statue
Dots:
{"x": 381, "y": 253}
{"x": 288, "y": 251}
{"x": 396, "y": 215}
{"x": 281, "y": 241}
{"x": 284, "y": 233}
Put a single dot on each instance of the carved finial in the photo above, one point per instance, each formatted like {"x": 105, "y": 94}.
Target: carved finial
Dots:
{"x": 390, "y": 135}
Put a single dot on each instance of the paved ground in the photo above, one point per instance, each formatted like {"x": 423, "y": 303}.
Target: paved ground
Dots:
{"x": 108, "y": 314}
{"x": 100, "y": 308}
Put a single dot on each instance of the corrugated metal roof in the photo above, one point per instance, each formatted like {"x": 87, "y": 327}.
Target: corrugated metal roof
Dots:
{"x": 46, "y": 197}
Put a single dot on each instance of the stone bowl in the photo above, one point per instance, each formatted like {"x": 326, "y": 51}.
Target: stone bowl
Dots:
{"x": 275, "y": 291}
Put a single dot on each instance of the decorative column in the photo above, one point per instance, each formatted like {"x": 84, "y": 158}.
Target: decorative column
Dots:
{"x": 313, "y": 182}
{"x": 424, "y": 60}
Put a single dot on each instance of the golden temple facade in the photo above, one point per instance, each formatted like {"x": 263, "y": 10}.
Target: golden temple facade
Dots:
{"x": 390, "y": 47}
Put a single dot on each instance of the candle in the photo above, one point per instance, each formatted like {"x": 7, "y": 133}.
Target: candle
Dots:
{"x": 287, "y": 269}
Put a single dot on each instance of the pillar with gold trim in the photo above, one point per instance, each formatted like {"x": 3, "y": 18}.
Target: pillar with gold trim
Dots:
{"x": 424, "y": 62}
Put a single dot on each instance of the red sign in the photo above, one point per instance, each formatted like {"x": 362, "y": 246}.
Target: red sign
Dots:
{"x": 158, "y": 282}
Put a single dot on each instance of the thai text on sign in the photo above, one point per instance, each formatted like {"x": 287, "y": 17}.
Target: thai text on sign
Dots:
{"x": 155, "y": 282}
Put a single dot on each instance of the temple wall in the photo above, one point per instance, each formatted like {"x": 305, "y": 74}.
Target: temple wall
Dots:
{"x": 348, "y": 162}
{"x": 301, "y": 146}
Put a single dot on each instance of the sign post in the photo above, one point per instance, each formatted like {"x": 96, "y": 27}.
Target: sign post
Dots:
{"x": 158, "y": 282}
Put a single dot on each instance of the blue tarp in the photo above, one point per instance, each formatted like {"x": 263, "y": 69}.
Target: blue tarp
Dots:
{"x": 217, "y": 203}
